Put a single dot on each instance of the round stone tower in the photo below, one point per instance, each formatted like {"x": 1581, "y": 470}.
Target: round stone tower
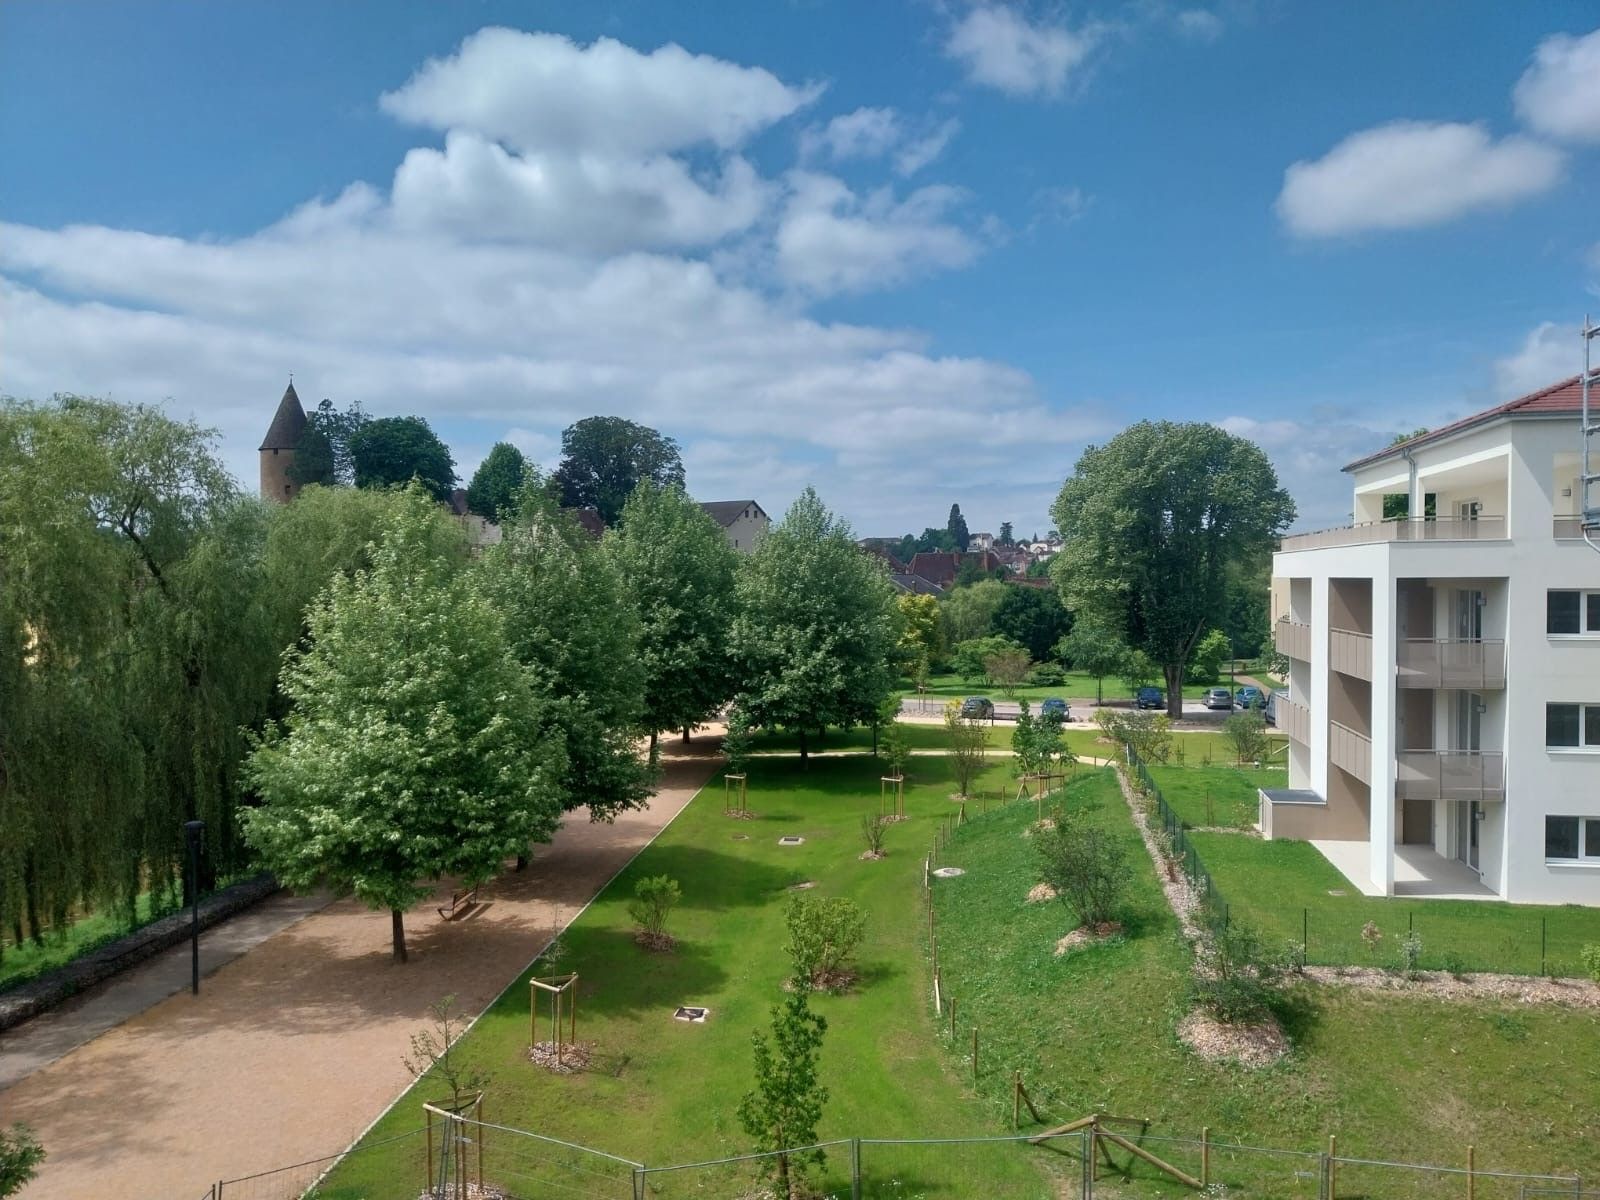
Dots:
{"x": 277, "y": 448}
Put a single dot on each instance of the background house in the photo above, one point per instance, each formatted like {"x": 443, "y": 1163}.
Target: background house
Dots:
{"x": 742, "y": 520}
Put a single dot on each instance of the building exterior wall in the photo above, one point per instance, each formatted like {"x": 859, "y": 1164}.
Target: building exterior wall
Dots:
{"x": 747, "y": 529}
{"x": 275, "y": 482}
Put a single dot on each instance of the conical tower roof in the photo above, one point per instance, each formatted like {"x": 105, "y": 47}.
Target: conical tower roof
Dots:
{"x": 287, "y": 424}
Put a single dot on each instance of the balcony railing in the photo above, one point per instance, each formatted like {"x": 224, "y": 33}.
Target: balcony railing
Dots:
{"x": 1450, "y": 663}
{"x": 1568, "y": 527}
{"x": 1401, "y": 529}
{"x": 1293, "y": 639}
{"x": 1350, "y": 653}
{"x": 1450, "y": 775}
{"x": 1350, "y": 751}
{"x": 1293, "y": 719}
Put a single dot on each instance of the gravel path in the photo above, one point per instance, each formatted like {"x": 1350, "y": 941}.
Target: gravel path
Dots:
{"x": 290, "y": 1051}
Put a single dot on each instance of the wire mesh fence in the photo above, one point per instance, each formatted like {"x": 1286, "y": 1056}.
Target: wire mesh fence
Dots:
{"x": 297, "y": 1179}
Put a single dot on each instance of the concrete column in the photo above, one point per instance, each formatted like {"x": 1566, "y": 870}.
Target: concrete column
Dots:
{"x": 1319, "y": 685}
{"x": 1381, "y": 830}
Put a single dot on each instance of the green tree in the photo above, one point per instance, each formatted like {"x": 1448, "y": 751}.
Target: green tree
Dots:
{"x": 968, "y": 612}
{"x": 971, "y": 659}
{"x": 1247, "y": 734}
{"x": 969, "y": 746}
{"x": 497, "y": 482}
{"x": 1033, "y": 618}
{"x": 410, "y": 752}
{"x": 323, "y": 453}
{"x": 1008, "y": 668}
{"x": 956, "y": 527}
{"x": 1153, "y": 522}
{"x": 1095, "y": 650}
{"x": 654, "y": 898}
{"x": 20, "y": 1156}
{"x": 1005, "y": 538}
{"x": 1209, "y": 655}
{"x": 923, "y": 639}
{"x": 1087, "y": 866}
{"x": 1139, "y": 670}
{"x": 785, "y": 1106}
{"x": 391, "y": 451}
{"x": 605, "y": 458}
{"x": 817, "y": 626}
{"x": 570, "y": 621}
{"x": 676, "y": 565}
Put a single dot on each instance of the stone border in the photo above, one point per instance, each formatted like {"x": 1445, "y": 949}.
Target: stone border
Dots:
{"x": 29, "y": 1000}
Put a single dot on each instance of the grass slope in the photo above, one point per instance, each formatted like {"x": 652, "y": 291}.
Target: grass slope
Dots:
{"x": 665, "y": 1092}
{"x": 1397, "y": 1078}
{"x": 1226, "y": 796}
{"x": 1283, "y": 887}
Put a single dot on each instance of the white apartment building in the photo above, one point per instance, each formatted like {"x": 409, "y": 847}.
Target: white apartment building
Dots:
{"x": 1443, "y": 705}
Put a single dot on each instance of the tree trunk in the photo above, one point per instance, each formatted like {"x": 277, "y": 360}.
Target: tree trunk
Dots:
{"x": 1099, "y": 695}
{"x": 397, "y": 920}
{"x": 655, "y": 736}
{"x": 1174, "y": 674}
{"x": 522, "y": 862}
{"x": 804, "y": 745}
{"x": 686, "y": 735}
{"x": 783, "y": 1177}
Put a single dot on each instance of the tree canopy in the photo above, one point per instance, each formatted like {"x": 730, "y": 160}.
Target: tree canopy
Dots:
{"x": 968, "y": 612}
{"x": 393, "y": 451}
{"x": 323, "y": 453}
{"x": 409, "y": 753}
{"x": 604, "y": 458}
{"x": 1153, "y": 522}
{"x": 814, "y": 639}
{"x": 956, "y": 527}
{"x": 676, "y": 565}
{"x": 1032, "y": 617}
{"x": 497, "y": 482}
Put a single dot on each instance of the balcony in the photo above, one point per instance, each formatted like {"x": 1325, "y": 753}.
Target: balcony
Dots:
{"x": 1293, "y": 639}
{"x": 1451, "y": 663}
{"x": 1450, "y": 775}
{"x": 1401, "y": 529}
{"x": 1350, "y": 751}
{"x": 1293, "y": 719}
{"x": 1350, "y": 653}
{"x": 1568, "y": 528}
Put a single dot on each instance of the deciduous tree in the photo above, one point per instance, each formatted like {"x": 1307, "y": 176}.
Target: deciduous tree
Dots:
{"x": 1033, "y": 618}
{"x": 1095, "y": 650}
{"x": 968, "y": 612}
{"x": 785, "y": 1106}
{"x": 323, "y": 452}
{"x": 497, "y": 482}
{"x": 605, "y": 458}
{"x": 1153, "y": 522}
{"x": 392, "y": 451}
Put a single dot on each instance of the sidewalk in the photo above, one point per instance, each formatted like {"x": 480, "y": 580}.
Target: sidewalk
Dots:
{"x": 294, "y": 1047}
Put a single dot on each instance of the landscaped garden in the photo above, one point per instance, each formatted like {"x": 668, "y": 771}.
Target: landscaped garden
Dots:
{"x": 1217, "y": 796}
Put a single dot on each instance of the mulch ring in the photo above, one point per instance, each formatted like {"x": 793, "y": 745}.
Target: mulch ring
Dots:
{"x": 1040, "y": 892}
{"x": 895, "y": 818}
{"x": 1253, "y": 1046}
{"x": 1087, "y": 935}
{"x": 742, "y": 814}
{"x": 872, "y": 855}
{"x": 661, "y": 943}
{"x": 473, "y": 1191}
{"x": 575, "y": 1057}
{"x": 1039, "y": 826}
{"x": 1519, "y": 989}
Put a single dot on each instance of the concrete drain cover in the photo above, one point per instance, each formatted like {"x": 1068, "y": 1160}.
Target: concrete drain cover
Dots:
{"x": 803, "y": 887}
{"x": 695, "y": 1016}
{"x": 1335, "y": 891}
{"x": 741, "y": 837}
{"x": 790, "y": 839}
{"x": 949, "y": 872}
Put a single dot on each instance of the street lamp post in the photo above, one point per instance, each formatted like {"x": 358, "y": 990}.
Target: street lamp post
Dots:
{"x": 191, "y": 835}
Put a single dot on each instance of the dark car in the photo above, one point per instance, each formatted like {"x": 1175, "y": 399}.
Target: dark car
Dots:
{"x": 1251, "y": 697}
{"x": 1149, "y": 697}
{"x": 1219, "y": 698}
{"x": 977, "y": 706}
{"x": 1057, "y": 707}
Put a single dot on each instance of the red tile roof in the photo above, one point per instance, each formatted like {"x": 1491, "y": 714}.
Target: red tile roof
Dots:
{"x": 1559, "y": 399}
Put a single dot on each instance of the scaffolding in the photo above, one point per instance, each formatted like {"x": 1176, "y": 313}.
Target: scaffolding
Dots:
{"x": 1589, "y": 480}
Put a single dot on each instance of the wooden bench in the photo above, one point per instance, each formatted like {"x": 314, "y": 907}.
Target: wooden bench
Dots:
{"x": 460, "y": 902}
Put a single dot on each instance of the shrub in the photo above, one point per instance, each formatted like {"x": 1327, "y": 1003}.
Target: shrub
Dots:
{"x": 653, "y": 900}
{"x": 1294, "y": 956}
{"x": 1372, "y": 936}
{"x": 1591, "y": 960}
{"x": 1410, "y": 953}
{"x": 1047, "y": 675}
{"x": 1454, "y": 964}
{"x": 1247, "y": 734}
{"x": 824, "y": 933}
{"x": 1147, "y": 734}
{"x": 20, "y": 1156}
{"x": 1086, "y": 865}
{"x": 872, "y": 827}
{"x": 969, "y": 745}
{"x": 1007, "y": 668}
{"x": 1239, "y": 983}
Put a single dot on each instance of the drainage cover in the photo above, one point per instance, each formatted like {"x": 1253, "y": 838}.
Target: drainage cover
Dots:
{"x": 949, "y": 872}
{"x": 789, "y": 839}
{"x": 696, "y": 1016}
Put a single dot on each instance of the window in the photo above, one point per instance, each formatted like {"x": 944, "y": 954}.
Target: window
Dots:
{"x": 1572, "y": 839}
{"x": 1572, "y": 726}
{"x": 1572, "y": 613}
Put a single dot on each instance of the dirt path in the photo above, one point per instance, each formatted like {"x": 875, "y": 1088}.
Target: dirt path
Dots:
{"x": 290, "y": 1051}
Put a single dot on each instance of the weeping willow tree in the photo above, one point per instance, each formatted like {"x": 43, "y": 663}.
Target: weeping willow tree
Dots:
{"x": 136, "y": 642}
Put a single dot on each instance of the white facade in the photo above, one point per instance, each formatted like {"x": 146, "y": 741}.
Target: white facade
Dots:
{"x": 1427, "y": 683}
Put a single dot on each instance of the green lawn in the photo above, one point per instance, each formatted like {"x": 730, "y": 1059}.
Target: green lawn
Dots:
{"x": 918, "y": 736}
{"x": 22, "y": 962}
{"x": 1221, "y": 796}
{"x": 1285, "y": 890}
{"x": 1077, "y": 686}
{"x": 1398, "y": 1078}
{"x": 666, "y": 1092}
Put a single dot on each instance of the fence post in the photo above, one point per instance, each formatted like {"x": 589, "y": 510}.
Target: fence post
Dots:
{"x": 1322, "y": 1178}
{"x": 1205, "y": 1155}
{"x": 855, "y": 1169}
{"x": 1472, "y": 1176}
{"x": 638, "y": 1183}
{"x": 1087, "y": 1143}
{"x": 1333, "y": 1166}
{"x": 1542, "y": 969}
{"x": 974, "y": 1054}
{"x": 1305, "y": 934}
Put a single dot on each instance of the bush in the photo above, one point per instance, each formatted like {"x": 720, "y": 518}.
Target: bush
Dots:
{"x": 653, "y": 900}
{"x": 1047, "y": 675}
{"x": 1410, "y": 953}
{"x": 872, "y": 827}
{"x": 1007, "y": 669}
{"x": 824, "y": 933}
{"x": 1086, "y": 865}
{"x": 1591, "y": 960}
{"x": 1147, "y": 734}
{"x": 1239, "y": 983}
{"x": 1247, "y": 734}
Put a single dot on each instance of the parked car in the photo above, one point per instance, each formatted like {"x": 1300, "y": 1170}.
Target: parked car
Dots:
{"x": 977, "y": 706}
{"x": 1251, "y": 697}
{"x": 1271, "y": 713}
{"x": 1058, "y": 706}
{"x": 1219, "y": 698}
{"x": 1149, "y": 697}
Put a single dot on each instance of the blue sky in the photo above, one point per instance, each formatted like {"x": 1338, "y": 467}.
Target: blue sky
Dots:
{"x": 910, "y": 253}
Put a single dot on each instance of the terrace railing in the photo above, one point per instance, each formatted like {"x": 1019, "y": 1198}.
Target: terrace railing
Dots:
{"x": 1350, "y": 653}
{"x": 1293, "y": 639}
{"x": 1402, "y": 529}
{"x": 1450, "y": 775}
{"x": 1567, "y": 528}
{"x": 1350, "y": 751}
{"x": 1294, "y": 719}
{"x": 1473, "y": 663}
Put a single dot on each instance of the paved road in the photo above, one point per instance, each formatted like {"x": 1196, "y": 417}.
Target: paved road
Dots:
{"x": 1082, "y": 709}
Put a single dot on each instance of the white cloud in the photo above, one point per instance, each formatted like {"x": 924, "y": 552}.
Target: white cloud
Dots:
{"x": 1559, "y": 95}
{"x": 540, "y": 91}
{"x": 1198, "y": 23}
{"x": 1058, "y": 206}
{"x": 864, "y": 133}
{"x": 1410, "y": 174}
{"x": 831, "y": 240}
{"x": 920, "y": 151}
{"x": 1548, "y": 354}
{"x": 1001, "y": 48}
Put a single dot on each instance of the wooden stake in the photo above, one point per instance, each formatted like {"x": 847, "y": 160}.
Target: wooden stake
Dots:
{"x": 952, "y": 1018}
{"x": 1333, "y": 1167}
{"x": 974, "y": 1054}
{"x": 1205, "y": 1155}
{"x": 1016, "y": 1099}
{"x": 1472, "y": 1178}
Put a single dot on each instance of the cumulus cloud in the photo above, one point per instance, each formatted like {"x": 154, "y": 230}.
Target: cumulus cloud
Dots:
{"x": 1198, "y": 23}
{"x": 1548, "y": 354}
{"x": 1410, "y": 174}
{"x": 831, "y": 240}
{"x": 918, "y": 152}
{"x": 1559, "y": 95}
{"x": 871, "y": 133}
{"x": 1001, "y": 48}
{"x": 541, "y": 91}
